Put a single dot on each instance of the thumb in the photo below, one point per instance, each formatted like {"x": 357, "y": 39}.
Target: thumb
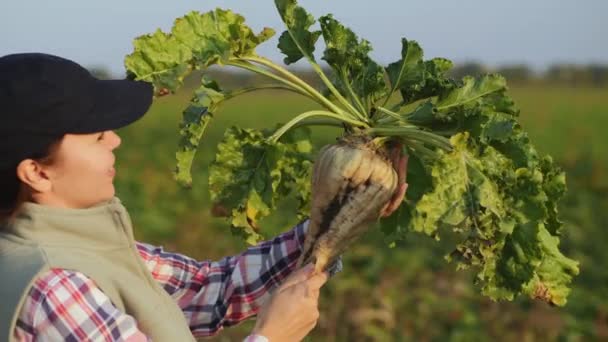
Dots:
{"x": 318, "y": 279}
{"x": 298, "y": 276}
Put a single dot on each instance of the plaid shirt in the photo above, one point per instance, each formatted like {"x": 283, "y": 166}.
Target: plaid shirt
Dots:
{"x": 65, "y": 305}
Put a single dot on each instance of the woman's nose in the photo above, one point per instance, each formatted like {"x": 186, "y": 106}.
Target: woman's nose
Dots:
{"x": 114, "y": 139}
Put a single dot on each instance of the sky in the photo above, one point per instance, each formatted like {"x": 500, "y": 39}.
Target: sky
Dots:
{"x": 535, "y": 32}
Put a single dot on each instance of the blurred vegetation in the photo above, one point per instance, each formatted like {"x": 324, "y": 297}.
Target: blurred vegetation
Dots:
{"x": 408, "y": 293}
{"x": 571, "y": 75}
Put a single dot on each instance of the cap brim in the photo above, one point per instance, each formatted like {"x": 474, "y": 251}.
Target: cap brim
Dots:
{"x": 117, "y": 103}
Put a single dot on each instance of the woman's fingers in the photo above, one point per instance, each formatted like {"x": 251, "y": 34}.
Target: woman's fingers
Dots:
{"x": 399, "y": 162}
{"x": 396, "y": 200}
{"x": 400, "y": 165}
{"x": 310, "y": 287}
{"x": 395, "y": 154}
{"x": 292, "y": 311}
{"x": 402, "y": 169}
{"x": 317, "y": 281}
{"x": 298, "y": 276}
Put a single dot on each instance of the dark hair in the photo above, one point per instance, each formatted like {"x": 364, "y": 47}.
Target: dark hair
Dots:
{"x": 14, "y": 193}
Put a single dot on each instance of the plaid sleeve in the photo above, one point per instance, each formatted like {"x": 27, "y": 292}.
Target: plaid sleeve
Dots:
{"x": 68, "y": 306}
{"x": 219, "y": 294}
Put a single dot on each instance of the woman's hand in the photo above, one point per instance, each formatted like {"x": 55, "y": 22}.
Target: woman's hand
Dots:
{"x": 292, "y": 310}
{"x": 400, "y": 164}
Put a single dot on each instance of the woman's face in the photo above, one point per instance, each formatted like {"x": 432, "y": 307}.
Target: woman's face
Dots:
{"x": 82, "y": 172}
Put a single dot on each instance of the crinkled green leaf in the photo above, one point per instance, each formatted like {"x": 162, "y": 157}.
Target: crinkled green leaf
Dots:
{"x": 554, "y": 274}
{"x": 498, "y": 127}
{"x": 554, "y": 185}
{"x": 303, "y": 188}
{"x": 196, "y": 117}
{"x": 342, "y": 45}
{"x": 423, "y": 79}
{"x": 423, "y": 115}
{"x": 502, "y": 210}
{"x": 349, "y": 58}
{"x": 196, "y": 41}
{"x": 300, "y": 139}
{"x": 217, "y": 36}
{"x": 531, "y": 262}
{"x": 460, "y": 189}
{"x": 501, "y": 103}
{"x": 520, "y": 257}
{"x": 160, "y": 59}
{"x": 297, "y": 41}
{"x": 478, "y": 106}
{"x": 409, "y": 70}
{"x": 472, "y": 89}
{"x": 519, "y": 149}
{"x": 300, "y": 169}
{"x": 250, "y": 174}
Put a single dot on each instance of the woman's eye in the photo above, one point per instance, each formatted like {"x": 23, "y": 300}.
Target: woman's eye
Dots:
{"x": 100, "y": 137}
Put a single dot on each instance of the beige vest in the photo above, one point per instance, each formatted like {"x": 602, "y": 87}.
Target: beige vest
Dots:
{"x": 97, "y": 242}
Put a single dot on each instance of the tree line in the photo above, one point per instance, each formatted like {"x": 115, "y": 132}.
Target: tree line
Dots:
{"x": 575, "y": 75}
{"x": 595, "y": 75}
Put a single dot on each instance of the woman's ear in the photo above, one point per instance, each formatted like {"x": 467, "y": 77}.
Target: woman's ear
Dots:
{"x": 32, "y": 174}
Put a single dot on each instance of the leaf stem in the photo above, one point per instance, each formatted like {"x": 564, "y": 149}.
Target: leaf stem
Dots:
{"x": 318, "y": 70}
{"x": 393, "y": 86}
{"x": 245, "y": 90}
{"x": 253, "y": 68}
{"x": 274, "y": 137}
{"x": 353, "y": 96}
{"x": 390, "y": 113}
{"x": 296, "y": 80}
{"x": 386, "y": 120}
{"x": 412, "y": 133}
{"x": 420, "y": 148}
{"x": 331, "y": 87}
{"x": 397, "y": 105}
{"x": 319, "y": 122}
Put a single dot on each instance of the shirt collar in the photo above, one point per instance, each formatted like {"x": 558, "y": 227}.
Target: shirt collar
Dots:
{"x": 103, "y": 226}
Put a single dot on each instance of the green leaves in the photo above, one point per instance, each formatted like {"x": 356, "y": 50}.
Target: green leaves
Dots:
{"x": 489, "y": 185}
{"x": 460, "y": 188}
{"x": 409, "y": 69}
{"x": 531, "y": 262}
{"x": 502, "y": 211}
{"x": 471, "y": 90}
{"x": 359, "y": 81}
{"x": 417, "y": 79}
{"x": 554, "y": 273}
{"x": 250, "y": 174}
{"x": 160, "y": 59}
{"x": 493, "y": 189}
{"x": 196, "y": 41}
{"x": 359, "y": 77}
{"x": 196, "y": 117}
{"x": 297, "y": 41}
{"x": 216, "y": 36}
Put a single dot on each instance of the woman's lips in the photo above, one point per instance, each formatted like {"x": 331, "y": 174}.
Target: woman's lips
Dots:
{"x": 112, "y": 172}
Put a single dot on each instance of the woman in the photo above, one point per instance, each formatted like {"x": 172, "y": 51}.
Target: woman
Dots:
{"x": 72, "y": 270}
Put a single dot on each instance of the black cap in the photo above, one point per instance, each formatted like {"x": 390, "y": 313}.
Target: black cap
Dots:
{"x": 43, "y": 97}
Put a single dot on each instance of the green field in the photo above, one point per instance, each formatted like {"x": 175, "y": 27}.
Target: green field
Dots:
{"x": 402, "y": 294}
